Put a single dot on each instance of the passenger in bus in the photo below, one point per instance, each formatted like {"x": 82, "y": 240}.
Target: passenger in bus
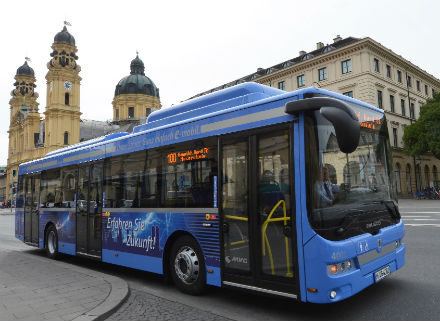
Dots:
{"x": 326, "y": 189}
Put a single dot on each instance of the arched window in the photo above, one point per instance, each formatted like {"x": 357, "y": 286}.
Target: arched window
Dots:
{"x": 147, "y": 111}
{"x": 117, "y": 114}
{"x": 426, "y": 176}
{"x": 408, "y": 178}
{"x": 397, "y": 179}
{"x": 66, "y": 99}
{"x": 66, "y": 138}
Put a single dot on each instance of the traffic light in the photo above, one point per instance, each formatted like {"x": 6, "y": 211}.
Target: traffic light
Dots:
{"x": 14, "y": 173}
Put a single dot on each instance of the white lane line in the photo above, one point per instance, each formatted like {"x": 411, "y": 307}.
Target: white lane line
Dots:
{"x": 422, "y": 219}
{"x": 420, "y": 213}
{"x": 434, "y": 225}
{"x": 418, "y": 216}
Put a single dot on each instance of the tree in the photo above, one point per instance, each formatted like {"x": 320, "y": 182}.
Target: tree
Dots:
{"x": 424, "y": 134}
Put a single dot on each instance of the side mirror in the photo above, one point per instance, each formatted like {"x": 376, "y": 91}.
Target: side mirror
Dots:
{"x": 339, "y": 113}
{"x": 347, "y": 129}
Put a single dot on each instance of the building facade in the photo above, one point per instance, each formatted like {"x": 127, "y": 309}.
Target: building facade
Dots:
{"x": 366, "y": 70}
{"x": 32, "y": 135}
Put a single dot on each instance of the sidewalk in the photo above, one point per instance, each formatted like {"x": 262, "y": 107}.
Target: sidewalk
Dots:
{"x": 35, "y": 288}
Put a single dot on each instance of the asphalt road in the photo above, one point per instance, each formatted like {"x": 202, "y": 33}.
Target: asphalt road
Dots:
{"x": 412, "y": 293}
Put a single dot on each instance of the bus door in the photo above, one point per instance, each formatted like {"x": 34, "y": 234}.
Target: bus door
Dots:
{"x": 257, "y": 211}
{"x": 31, "y": 208}
{"x": 89, "y": 210}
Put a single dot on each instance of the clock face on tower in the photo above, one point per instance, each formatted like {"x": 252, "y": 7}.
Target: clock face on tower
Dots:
{"x": 67, "y": 85}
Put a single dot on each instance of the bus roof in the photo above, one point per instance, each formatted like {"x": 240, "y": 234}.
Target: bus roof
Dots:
{"x": 215, "y": 104}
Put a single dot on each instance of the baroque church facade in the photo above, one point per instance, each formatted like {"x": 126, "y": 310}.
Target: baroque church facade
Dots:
{"x": 33, "y": 134}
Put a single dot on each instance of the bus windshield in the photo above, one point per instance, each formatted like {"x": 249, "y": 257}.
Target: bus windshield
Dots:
{"x": 349, "y": 194}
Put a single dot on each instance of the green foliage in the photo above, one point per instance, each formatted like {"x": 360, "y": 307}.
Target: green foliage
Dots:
{"x": 424, "y": 134}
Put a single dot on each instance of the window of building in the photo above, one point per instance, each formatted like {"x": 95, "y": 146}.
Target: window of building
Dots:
{"x": 411, "y": 111}
{"x": 66, "y": 99}
{"x": 130, "y": 112}
{"x": 388, "y": 71}
{"x": 399, "y": 76}
{"x": 427, "y": 176}
{"x": 433, "y": 92}
{"x": 282, "y": 85}
{"x": 322, "y": 74}
{"x": 376, "y": 65}
{"x": 36, "y": 139}
{"x": 301, "y": 80}
{"x": 117, "y": 114}
{"x": 392, "y": 103}
{"x": 402, "y": 104}
{"x": 147, "y": 111}
{"x": 346, "y": 66}
{"x": 418, "y": 85}
{"x": 395, "y": 137}
{"x": 379, "y": 99}
{"x": 66, "y": 138}
{"x": 348, "y": 93}
{"x": 426, "y": 90}
{"x": 408, "y": 81}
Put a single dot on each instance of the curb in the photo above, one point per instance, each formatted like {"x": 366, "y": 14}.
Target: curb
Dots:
{"x": 118, "y": 295}
{"x": 119, "y": 291}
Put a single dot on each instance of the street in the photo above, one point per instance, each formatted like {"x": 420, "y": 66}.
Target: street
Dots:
{"x": 412, "y": 293}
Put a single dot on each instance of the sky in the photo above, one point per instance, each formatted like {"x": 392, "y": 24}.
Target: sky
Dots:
{"x": 192, "y": 46}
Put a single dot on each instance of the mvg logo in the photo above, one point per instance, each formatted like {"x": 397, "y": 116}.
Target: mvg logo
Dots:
{"x": 236, "y": 259}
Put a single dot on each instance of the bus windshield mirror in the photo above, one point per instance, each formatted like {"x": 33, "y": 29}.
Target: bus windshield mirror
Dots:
{"x": 347, "y": 129}
{"x": 339, "y": 113}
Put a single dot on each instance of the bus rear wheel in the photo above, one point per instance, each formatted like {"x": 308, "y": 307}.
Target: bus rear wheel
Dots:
{"x": 187, "y": 266}
{"x": 51, "y": 244}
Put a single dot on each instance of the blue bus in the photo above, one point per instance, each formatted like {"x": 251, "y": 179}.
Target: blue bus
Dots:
{"x": 250, "y": 187}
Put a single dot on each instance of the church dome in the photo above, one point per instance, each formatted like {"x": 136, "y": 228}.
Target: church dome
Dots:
{"x": 136, "y": 82}
{"x": 64, "y": 37}
{"x": 25, "y": 70}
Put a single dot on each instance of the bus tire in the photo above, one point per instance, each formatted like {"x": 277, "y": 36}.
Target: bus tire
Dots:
{"x": 187, "y": 266}
{"x": 51, "y": 244}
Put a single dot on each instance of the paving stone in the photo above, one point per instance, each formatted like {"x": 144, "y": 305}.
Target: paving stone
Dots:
{"x": 141, "y": 306}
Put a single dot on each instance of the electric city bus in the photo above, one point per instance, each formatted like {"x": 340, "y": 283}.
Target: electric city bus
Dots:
{"x": 251, "y": 187}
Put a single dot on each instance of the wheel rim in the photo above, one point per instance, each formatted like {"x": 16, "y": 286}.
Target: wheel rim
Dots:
{"x": 186, "y": 265}
{"x": 51, "y": 242}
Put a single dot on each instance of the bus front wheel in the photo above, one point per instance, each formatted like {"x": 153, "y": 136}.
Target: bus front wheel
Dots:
{"x": 187, "y": 266}
{"x": 51, "y": 244}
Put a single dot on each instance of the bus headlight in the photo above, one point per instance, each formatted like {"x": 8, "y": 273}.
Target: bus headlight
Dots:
{"x": 341, "y": 267}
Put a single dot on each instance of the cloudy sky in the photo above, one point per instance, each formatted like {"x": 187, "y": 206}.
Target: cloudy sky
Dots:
{"x": 191, "y": 46}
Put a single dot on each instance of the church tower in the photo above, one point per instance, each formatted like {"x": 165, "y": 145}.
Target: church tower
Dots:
{"x": 62, "y": 115}
{"x": 24, "y": 126}
{"x": 136, "y": 95}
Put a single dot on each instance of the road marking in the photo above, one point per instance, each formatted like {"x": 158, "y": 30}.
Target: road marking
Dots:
{"x": 418, "y": 216}
{"x": 434, "y": 225}
{"x": 420, "y": 213}
{"x": 423, "y": 219}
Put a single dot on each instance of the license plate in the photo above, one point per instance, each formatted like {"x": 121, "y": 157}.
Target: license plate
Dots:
{"x": 381, "y": 274}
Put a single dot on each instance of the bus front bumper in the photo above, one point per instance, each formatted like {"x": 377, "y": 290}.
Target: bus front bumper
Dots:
{"x": 324, "y": 288}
